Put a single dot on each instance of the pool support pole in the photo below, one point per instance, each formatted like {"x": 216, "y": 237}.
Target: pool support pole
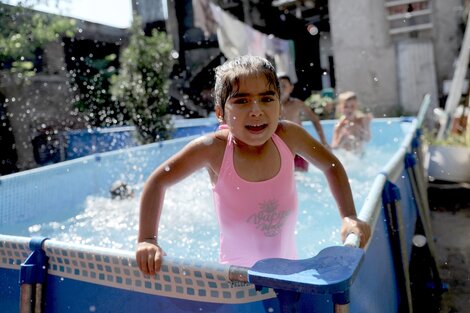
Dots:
{"x": 393, "y": 213}
{"x": 421, "y": 204}
{"x": 331, "y": 272}
{"x": 33, "y": 273}
{"x": 424, "y": 219}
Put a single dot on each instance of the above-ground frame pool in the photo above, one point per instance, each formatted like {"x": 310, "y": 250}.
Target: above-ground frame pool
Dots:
{"x": 62, "y": 274}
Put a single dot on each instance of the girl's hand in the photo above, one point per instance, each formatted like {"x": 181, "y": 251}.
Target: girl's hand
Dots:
{"x": 351, "y": 224}
{"x": 149, "y": 256}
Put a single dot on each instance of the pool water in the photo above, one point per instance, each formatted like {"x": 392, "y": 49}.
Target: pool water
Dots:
{"x": 188, "y": 227}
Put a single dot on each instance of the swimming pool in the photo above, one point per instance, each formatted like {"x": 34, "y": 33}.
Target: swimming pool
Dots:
{"x": 50, "y": 201}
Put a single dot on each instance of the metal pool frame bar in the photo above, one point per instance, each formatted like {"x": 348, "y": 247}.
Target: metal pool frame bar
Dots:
{"x": 45, "y": 275}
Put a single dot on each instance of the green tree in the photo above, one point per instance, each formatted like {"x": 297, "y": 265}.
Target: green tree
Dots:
{"x": 93, "y": 80}
{"x": 23, "y": 31}
{"x": 143, "y": 81}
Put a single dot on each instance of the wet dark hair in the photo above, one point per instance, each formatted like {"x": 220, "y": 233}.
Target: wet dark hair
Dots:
{"x": 228, "y": 75}
{"x": 121, "y": 190}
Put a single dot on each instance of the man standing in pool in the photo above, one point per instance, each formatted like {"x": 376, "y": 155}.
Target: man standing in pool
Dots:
{"x": 293, "y": 109}
{"x": 251, "y": 166}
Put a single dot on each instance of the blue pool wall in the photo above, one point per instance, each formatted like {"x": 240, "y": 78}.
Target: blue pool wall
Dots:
{"x": 82, "y": 142}
{"x": 108, "y": 280}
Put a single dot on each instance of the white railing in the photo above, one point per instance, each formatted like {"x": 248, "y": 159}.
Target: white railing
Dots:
{"x": 455, "y": 92}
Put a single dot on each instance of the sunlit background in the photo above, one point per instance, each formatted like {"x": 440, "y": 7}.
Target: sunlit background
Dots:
{"x": 93, "y": 11}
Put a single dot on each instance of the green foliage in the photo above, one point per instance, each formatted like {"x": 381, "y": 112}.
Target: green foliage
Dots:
{"x": 93, "y": 80}
{"x": 23, "y": 31}
{"x": 452, "y": 139}
{"x": 323, "y": 106}
{"x": 143, "y": 81}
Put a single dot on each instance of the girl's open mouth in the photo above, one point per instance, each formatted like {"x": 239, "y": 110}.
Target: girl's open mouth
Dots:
{"x": 256, "y": 128}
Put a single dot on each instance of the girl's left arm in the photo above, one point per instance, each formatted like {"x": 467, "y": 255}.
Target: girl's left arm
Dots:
{"x": 305, "y": 145}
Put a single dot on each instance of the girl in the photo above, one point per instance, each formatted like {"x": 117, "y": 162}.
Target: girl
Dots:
{"x": 250, "y": 161}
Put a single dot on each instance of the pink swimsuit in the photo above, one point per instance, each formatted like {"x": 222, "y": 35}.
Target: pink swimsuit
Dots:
{"x": 257, "y": 219}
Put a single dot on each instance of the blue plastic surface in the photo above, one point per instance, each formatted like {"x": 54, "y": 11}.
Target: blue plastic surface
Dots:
{"x": 331, "y": 271}
{"x": 416, "y": 142}
{"x": 47, "y": 193}
{"x": 34, "y": 268}
{"x": 410, "y": 160}
{"x": 390, "y": 193}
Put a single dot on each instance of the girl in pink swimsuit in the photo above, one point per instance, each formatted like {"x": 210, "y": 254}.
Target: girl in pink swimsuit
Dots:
{"x": 250, "y": 164}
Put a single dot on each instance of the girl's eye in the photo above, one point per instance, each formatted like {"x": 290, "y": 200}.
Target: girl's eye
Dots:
{"x": 267, "y": 99}
{"x": 241, "y": 101}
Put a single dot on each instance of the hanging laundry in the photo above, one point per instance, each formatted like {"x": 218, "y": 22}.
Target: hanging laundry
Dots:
{"x": 203, "y": 17}
{"x": 237, "y": 38}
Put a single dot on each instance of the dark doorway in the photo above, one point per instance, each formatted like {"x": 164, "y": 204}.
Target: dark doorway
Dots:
{"x": 8, "y": 155}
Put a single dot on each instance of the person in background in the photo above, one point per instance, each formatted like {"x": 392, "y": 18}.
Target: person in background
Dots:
{"x": 250, "y": 162}
{"x": 353, "y": 127}
{"x": 120, "y": 190}
{"x": 294, "y": 110}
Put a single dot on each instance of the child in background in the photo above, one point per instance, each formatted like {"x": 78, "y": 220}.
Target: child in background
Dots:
{"x": 120, "y": 190}
{"x": 353, "y": 127}
{"x": 293, "y": 109}
{"x": 250, "y": 161}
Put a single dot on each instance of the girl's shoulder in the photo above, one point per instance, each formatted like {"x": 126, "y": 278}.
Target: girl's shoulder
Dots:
{"x": 289, "y": 131}
{"x": 285, "y": 126}
{"x": 211, "y": 142}
{"x": 297, "y": 138}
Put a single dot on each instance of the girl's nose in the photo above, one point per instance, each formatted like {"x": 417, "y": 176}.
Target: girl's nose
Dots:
{"x": 255, "y": 108}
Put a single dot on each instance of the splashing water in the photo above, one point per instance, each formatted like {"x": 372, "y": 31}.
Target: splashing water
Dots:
{"x": 188, "y": 226}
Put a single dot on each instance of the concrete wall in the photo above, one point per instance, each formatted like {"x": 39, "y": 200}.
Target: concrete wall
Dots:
{"x": 364, "y": 53}
{"x": 367, "y": 57}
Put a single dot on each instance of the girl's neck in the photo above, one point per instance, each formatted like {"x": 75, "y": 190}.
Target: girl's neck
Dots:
{"x": 248, "y": 149}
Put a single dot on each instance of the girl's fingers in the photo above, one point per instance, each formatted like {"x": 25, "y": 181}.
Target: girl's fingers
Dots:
{"x": 151, "y": 264}
{"x": 158, "y": 265}
{"x": 141, "y": 262}
{"x": 149, "y": 258}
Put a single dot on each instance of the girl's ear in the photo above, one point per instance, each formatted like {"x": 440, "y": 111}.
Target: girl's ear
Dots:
{"x": 219, "y": 113}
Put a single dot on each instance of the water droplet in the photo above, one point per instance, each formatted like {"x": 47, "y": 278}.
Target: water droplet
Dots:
{"x": 207, "y": 140}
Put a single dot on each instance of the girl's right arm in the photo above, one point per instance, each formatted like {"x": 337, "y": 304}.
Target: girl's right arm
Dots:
{"x": 191, "y": 158}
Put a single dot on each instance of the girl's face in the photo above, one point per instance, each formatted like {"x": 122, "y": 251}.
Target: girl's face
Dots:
{"x": 349, "y": 107}
{"x": 252, "y": 112}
